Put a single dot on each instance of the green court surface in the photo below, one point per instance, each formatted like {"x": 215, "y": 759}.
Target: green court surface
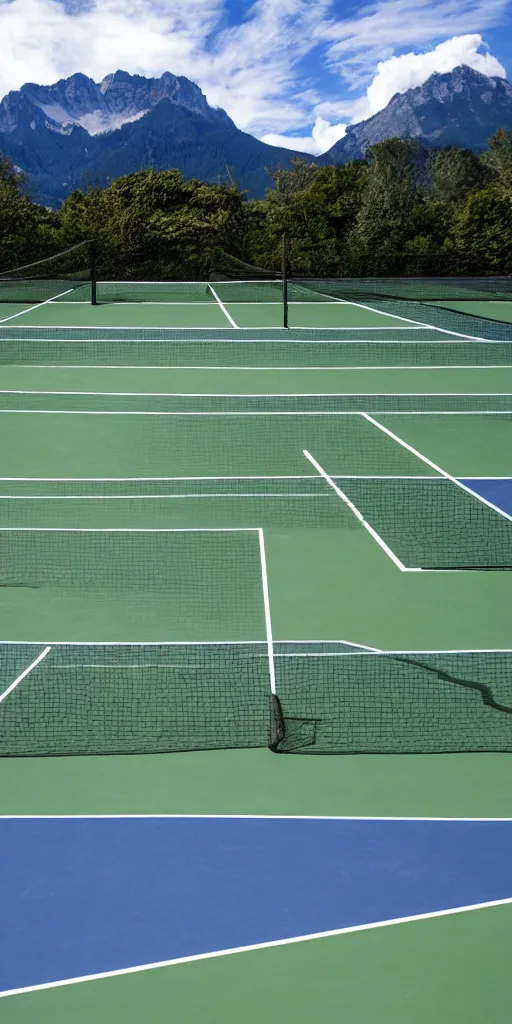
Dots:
{"x": 493, "y": 310}
{"x": 200, "y": 314}
{"x": 67, "y": 474}
{"x": 259, "y": 381}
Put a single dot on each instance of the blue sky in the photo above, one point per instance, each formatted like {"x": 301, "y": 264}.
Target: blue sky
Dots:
{"x": 293, "y": 72}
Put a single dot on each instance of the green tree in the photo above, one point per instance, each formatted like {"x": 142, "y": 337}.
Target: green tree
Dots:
{"x": 27, "y": 231}
{"x": 483, "y": 233}
{"x": 392, "y": 201}
{"x": 316, "y": 220}
{"x": 298, "y": 179}
{"x": 499, "y": 159}
{"x": 155, "y": 224}
{"x": 455, "y": 172}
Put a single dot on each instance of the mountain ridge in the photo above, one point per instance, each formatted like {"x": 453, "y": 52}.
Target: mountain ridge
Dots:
{"x": 448, "y": 109}
{"x": 105, "y": 106}
{"x": 78, "y": 133}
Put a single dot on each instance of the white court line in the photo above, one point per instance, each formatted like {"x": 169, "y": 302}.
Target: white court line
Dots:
{"x": 241, "y": 413}
{"x": 159, "y": 479}
{"x": 24, "y": 673}
{"x": 211, "y": 342}
{"x": 436, "y": 412}
{"x": 284, "y": 369}
{"x": 406, "y": 319}
{"x": 198, "y": 285}
{"x": 223, "y": 308}
{"x": 255, "y": 643}
{"x": 257, "y": 946}
{"x": 134, "y": 333}
{"x": 38, "y": 305}
{"x": 122, "y": 529}
{"x": 473, "y": 476}
{"x": 273, "y": 394}
{"x": 250, "y": 817}
{"x": 156, "y": 479}
{"x": 468, "y": 650}
{"x": 165, "y": 497}
{"x": 434, "y": 466}
{"x": 191, "y": 643}
{"x": 299, "y": 282}
{"x": 259, "y": 643}
{"x": 387, "y": 550}
{"x": 266, "y": 605}
{"x": 194, "y": 303}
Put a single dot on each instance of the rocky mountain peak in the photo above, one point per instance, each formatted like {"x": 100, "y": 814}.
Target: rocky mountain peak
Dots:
{"x": 460, "y": 107}
{"x": 107, "y": 105}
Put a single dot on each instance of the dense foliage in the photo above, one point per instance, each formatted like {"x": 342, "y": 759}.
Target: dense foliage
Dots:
{"x": 403, "y": 210}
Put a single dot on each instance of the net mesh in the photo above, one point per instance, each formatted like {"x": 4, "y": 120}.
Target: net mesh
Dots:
{"x": 418, "y": 289}
{"x": 105, "y": 699}
{"x": 232, "y": 280}
{"x": 408, "y": 346}
{"x": 236, "y": 281}
{"x": 412, "y": 702}
{"x": 211, "y": 578}
{"x": 423, "y": 300}
{"x": 192, "y": 445}
{"x": 64, "y": 277}
{"x": 184, "y": 561}
{"x": 115, "y": 534}
{"x": 466, "y": 324}
{"x": 189, "y": 291}
{"x": 254, "y": 404}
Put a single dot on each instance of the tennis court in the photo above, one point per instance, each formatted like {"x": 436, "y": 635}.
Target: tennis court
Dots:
{"x": 218, "y": 536}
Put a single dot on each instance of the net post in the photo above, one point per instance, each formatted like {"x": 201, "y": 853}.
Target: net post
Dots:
{"x": 284, "y": 270}
{"x": 94, "y": 282}
{"x": 277, "y": 732}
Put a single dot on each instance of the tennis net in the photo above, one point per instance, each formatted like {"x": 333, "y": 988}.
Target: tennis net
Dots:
{"x": 330, "y": 698}
{"x": 407, "y": 346}
{"x": 131, "y": 534}
{"x": 232, "y": 280}
{"x": 394, "y": 702}
{"x": 267, "y": 286}
{"x": 186, "y": 564}
{"x": 416, "y": 289}
{"x": 64, "y": 277}
{"x": 254, "y": 404}
{"x": 270, "y": 290}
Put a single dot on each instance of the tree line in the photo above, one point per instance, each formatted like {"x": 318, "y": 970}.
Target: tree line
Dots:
{"x": 403, "y": 210}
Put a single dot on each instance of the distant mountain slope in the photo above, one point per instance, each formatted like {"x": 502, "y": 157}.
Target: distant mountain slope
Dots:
{"x": 462, "y": 108}
{"x": 78, "y": 133}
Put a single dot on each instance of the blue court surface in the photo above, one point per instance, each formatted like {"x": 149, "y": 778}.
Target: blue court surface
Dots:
{"x": 84, "y": 896}
{"x": 497, "y": 490}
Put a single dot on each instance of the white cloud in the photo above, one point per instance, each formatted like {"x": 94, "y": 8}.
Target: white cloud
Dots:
{"x": 356, "y": 45}
{"x": 250, "y": 69}
{"x": 42, "y": 42}
{"x": 253, "y": 69}
{"x": 398, "y": 74}
{"x": 323, "y": 136}
{"x": 395, "y": 75}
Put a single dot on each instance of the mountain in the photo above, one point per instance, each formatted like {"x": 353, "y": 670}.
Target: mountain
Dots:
{"x": 78, "y": 133}
{"x": 462, "y": 108}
